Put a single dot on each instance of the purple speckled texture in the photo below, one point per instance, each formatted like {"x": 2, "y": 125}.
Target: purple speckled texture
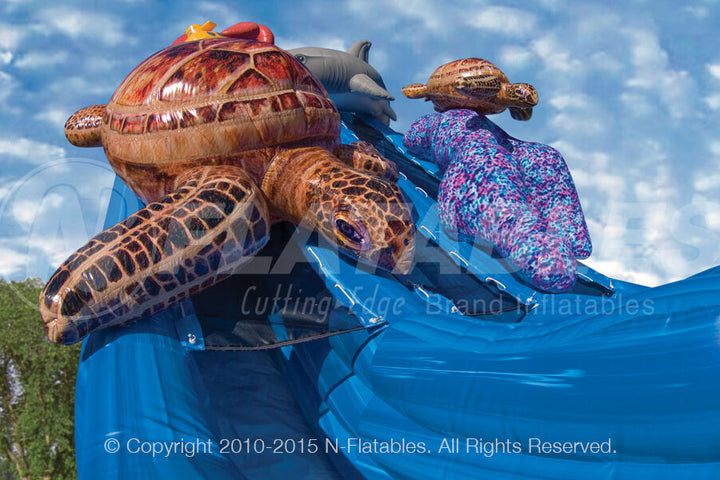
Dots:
{"x": 517, "y": 195}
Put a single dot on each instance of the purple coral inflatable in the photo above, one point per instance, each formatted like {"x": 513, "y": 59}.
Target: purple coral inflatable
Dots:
{"x": 518, "y": 195}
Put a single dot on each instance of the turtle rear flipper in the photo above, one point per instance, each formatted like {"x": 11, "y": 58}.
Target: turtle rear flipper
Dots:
{"x": 521, "y": 113}
{"x": 477, "y": 85}
{"x": 415, "y": 90}
{"x": 185, "y": 242}
{"x": 82, "y": 129}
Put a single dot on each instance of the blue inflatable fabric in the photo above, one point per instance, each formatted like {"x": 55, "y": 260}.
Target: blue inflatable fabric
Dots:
{"x": 627, "y": 371}
{"x": 152, "y": 403}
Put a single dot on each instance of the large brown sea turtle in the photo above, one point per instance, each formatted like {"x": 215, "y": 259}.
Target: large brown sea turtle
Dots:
{"x": 221, "y": 137}
{"x": 475, "y": 84}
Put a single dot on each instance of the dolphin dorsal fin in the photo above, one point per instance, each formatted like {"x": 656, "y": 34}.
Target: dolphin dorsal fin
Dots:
{"x": 360, "y": 49}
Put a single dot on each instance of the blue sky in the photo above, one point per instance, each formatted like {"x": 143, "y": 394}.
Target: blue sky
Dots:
{"x": 629, "y": 94}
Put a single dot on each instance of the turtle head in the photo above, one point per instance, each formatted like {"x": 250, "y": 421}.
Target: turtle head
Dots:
{"x": 369, "y": 217}
{"x": 363, "y": 214}
{"x": 520, "y": 95}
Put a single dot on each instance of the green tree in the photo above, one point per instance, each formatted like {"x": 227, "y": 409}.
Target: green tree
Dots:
{"x": 37, "y": 390}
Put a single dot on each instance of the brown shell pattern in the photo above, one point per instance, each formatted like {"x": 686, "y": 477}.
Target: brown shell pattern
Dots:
{"x": 254, "y": 75}
{"x": 450, "y": 71}
{"x": 215, "y": 101}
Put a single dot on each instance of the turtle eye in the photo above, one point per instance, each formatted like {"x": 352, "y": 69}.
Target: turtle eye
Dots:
{"x": 348, "y": 231}
{"x": 300, "y": 58}
{"x": 352, "y": 232}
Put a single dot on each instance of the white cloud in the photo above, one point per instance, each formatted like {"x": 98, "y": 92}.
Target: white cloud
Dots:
{"x": 706, "y": 182}
{"x": 434, "y": 16}
{"x": 555, "y": 55}
{"x": 553, "y": 4}
{"x": 566, "y": 101}
{"x": 50, "y": 212}
{"x": 5, "y": 188}
{"x": 603, "y": 61}
{"x": 621, "y": 271}
{"x": 593, "y": 160}
{"x": 380, "y": 60}
{"x": 698, "y": 12}
{"x": 578, "y": 123}
{"x": 504, "y": 20}
{"x": 713, "y": 101}
{"x": 103, "y": 64}
{"x": 422, "y": 75}
{"x": 714, "y": 147}
{"x": 83, "y": 85}
{"x": 12, "y": 261}
{"x": 30, "y": 150}
{"x": 654, "y": 237}
{"x": 25, "y": 211}
{"x": 639, "y": 234}
{"x": 313, "y": 40}
{"x": 648, "y": 59}
{"x": 79, "y": 23}
{"x": 6, "y": 58}
{"x": 54, "y": 116}
{"x": 601, "y": 184}
{"x": 637, "y": 104}
{"x": 11, "y": 35}
{"x": 41, "y": 59}
{"x": 515, "y": 55}
{"x": 7, "y": 88}
{"x": 652, "y": 72}
{"x": 224, "y": 12}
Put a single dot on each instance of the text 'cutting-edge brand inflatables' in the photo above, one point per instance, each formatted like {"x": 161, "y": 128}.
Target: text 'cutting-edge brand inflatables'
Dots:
{"x": 221, "y": 136}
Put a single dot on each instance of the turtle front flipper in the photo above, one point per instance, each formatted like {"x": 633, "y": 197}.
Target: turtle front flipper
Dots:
{"x": 415, "y": 90}
{"x": 365, "y": 157}
{"x": 478, "y": 85}
{"x": 185, "y": 242}
{"x": 520, "y": 113}
{"x": 83, "y": 128}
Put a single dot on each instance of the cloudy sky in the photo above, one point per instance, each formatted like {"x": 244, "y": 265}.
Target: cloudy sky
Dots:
{"x": 629, "y": 94}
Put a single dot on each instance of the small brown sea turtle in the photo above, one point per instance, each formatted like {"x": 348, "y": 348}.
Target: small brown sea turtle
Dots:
{"x": 475, "y": 84}
{"x": 220, "y": 137}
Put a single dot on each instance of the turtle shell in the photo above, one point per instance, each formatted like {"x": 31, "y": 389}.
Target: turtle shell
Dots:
{"x": 441, "y": 83}
{"x": 442, "y": 78}
{"x": 213, "y": 101}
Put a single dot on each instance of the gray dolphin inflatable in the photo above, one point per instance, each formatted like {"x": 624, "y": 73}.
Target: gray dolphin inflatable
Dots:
{"x": 352, "y": 83}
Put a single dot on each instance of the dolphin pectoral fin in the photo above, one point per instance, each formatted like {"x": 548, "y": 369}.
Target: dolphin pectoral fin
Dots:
{"x": 360, "y": 49}
{"x": 384, "y": 119}
{"x": 389, "y": 112}
{"x": 363, "y": 85}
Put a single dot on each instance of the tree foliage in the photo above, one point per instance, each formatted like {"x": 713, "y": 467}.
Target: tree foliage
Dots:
{"x": 37, "y": 390}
